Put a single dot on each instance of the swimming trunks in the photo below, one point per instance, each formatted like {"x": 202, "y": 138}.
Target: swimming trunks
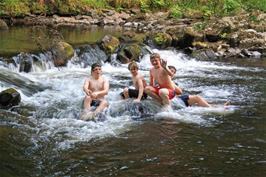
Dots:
{"x": 171, "y": 92}
{"x": 95, "y": 103}
{"x": 133, "y": 93}
{"x": 185, "y": 99}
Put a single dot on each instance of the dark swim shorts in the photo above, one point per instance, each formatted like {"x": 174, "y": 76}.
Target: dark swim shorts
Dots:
{"x": 133, "y": 93}
{"x": 185, "y": 99}
{"x": 95, "y": 103}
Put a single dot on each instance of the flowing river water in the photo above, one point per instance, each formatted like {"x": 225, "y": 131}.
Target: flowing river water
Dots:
{"x": 141, "y": 139}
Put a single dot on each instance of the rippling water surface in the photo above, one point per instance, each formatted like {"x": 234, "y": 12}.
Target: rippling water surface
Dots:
{"x": 142, "y": 139}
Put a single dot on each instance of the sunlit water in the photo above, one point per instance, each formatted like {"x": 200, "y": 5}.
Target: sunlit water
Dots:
{"x": 141, "y": 139}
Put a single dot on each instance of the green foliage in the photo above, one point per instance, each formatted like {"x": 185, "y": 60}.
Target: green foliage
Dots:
{"x": 96, "y": 3}
{"x": 157, "y": 4}
{"x": 255, "y": 4}
{"x": 199, "y": 26}
{"x": 38, "y": 8}
{"x": 194, "y": 8}
{"x": 15, "y": 7}
{"x": 231, "y": 6}
{"x": 176, "y": 12}
{"x": 144, "y": 7}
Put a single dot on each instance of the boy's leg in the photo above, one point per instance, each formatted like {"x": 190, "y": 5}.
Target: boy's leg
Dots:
{"x": 164, "y": 95}
{"x": 149, "y": 90}
{"x": 199, "y": 101}
{"x": 87, "y": 102}
{"x": 125, "y": 92}
{"x": 101, "y": 107}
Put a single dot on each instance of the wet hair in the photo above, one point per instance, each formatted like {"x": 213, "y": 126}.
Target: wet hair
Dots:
{"x": 172, "y": 67}
{"x": 94, "y": 65}
{"x": 155, "y": 55}
{"x": 132, "y": 64}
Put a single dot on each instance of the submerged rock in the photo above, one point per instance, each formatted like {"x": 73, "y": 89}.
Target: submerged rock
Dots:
{"x": 26, "y": 85}
{"x": 9, "y": 97}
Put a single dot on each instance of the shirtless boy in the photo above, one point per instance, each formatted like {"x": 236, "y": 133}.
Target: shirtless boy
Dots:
{"x": 161, "y": 86}
{"x": 138, "y": 82}
{"x": 95, "y": 87}
{"x": 190, "y": 100}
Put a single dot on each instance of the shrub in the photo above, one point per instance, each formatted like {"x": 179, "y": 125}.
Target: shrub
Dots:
{"x": 175, "y": 12}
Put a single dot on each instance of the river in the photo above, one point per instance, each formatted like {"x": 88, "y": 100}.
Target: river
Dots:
{"x": 141, "y": 139}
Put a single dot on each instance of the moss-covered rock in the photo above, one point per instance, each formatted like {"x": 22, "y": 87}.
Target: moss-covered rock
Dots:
{"x": 162, "y": 40}
{"x": 9, "y": 97}
{"x": 3, "y": 25}
{"x": 130, "y": 36}
{"x": 129, "y": 52}
{"x": 109, "y": 44}
{"x": 62, "y": 52}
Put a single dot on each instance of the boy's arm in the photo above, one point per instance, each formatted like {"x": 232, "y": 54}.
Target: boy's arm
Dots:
{"x": 86, "y": 87}
{"x": 151, "y": 79}
{"x": 178, "y": 90}
{"x": 141, "y": 89}
{"x": 165, "y": 67}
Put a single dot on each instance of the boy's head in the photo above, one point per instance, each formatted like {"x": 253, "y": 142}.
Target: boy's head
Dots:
{"x": 132, "y": 65}
{"x": 133, "y": 68}
{"x": 155, "y": 60}
{"x": 95, "y": 66}
{"x": 172, "y": 69}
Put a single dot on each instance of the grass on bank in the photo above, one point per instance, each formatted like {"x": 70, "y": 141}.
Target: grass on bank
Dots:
{"x": 177, "y": 8}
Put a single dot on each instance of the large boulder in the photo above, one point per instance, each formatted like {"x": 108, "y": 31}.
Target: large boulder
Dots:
{"x": 62, "y": 52}
{"x": 162, "y": 40}
{"x": 3, "y": 25}
{"x": 109, "y": 44}
{"x": 128, "y": 53}
{"x": 9, "y": 97}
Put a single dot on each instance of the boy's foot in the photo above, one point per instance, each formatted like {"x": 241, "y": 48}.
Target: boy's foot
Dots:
{"x": 227, "y": 103}
{"x": 87, "y": 116}
{"x": 166, "y": 108}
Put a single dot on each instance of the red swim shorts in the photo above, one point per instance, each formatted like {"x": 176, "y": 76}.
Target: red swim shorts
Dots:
{"x": 171, "y": 92}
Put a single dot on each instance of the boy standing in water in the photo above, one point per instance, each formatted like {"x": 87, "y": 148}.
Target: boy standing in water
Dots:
{"x": 161, "y": 85}
{"x": 138, "y": 82}
{"x": 95, "y": 87}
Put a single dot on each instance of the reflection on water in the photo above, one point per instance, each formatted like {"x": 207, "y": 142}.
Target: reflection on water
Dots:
{"x": 141, "y": 139}
{"x": 25, "y": 39}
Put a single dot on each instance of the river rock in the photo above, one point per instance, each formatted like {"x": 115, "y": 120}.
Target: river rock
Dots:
{"x": 26, "y": 85}
{"x": 109, "y": 44}
{"x": 62, "y": 52}
{"x": 25, "y": 63}
{"x": 204, "y": 54}
{"x": 162, "y": 40}
{"x": 3, "y": 25}
{"x": 9, "y": 97}
{"x": 129, "y": 52}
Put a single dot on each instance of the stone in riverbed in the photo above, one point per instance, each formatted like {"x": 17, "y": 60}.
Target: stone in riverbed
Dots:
{"x": 62, "y": 52}
{"x": 8, "y": 98}
{"x": 3, "y": 25}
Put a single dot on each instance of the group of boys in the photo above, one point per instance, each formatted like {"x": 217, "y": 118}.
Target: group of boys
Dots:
{"x": 161, "y": 87}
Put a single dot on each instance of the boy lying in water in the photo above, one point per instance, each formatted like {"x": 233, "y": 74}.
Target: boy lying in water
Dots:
{"x": 190, "y": 100}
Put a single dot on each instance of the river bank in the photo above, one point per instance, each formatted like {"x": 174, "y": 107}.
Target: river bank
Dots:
{"x": 239, "y": 36}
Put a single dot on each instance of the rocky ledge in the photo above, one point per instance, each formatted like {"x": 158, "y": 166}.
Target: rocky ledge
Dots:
{"x": 242, "y": 35}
